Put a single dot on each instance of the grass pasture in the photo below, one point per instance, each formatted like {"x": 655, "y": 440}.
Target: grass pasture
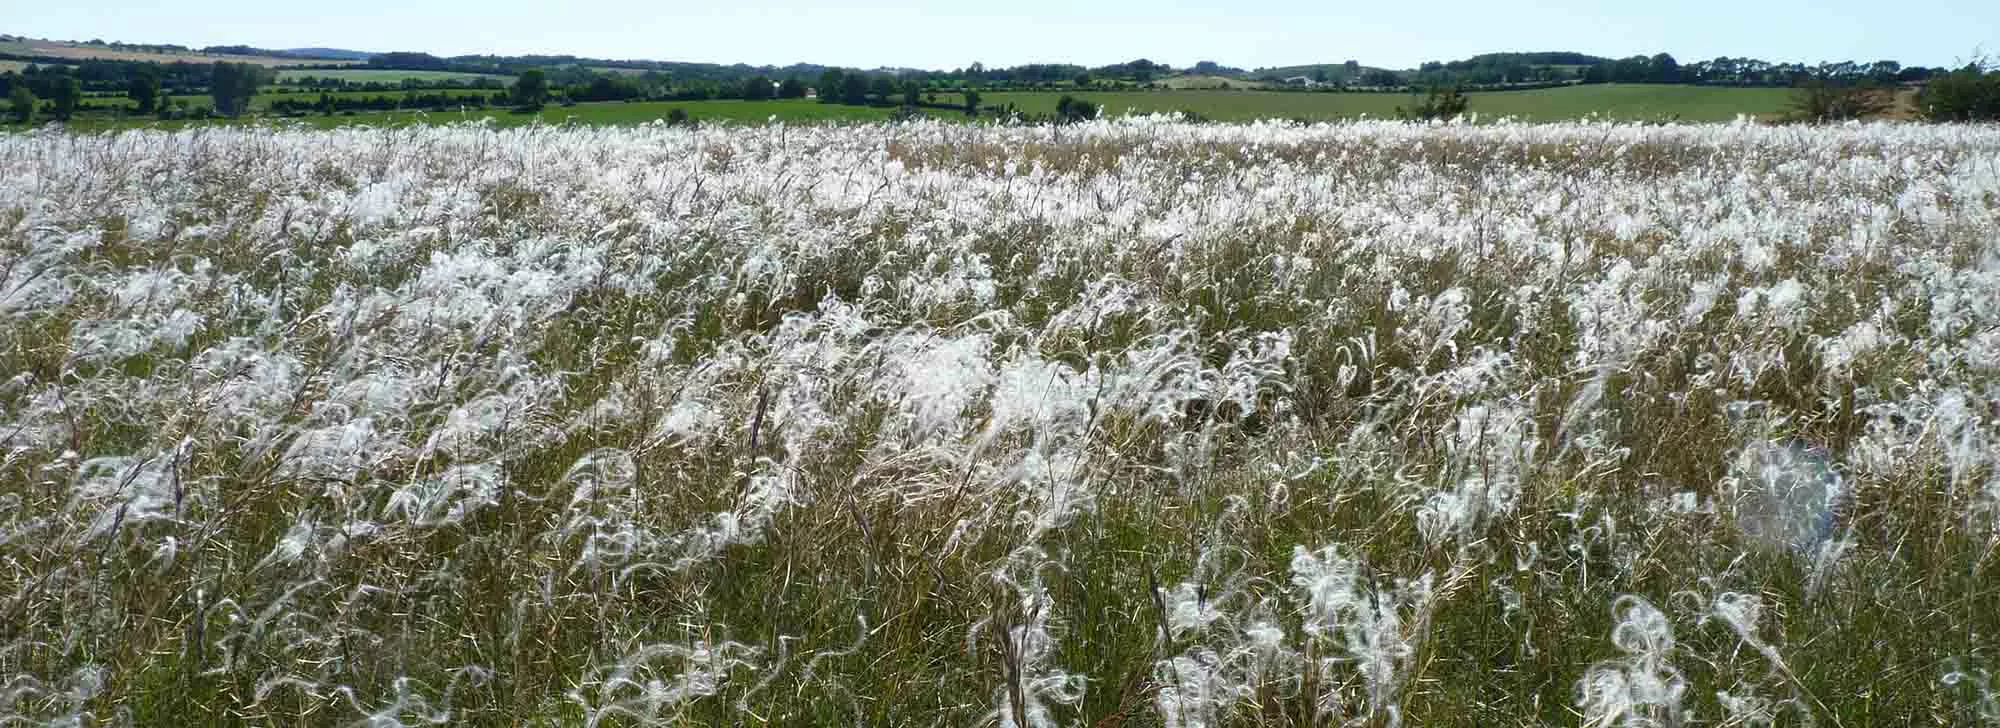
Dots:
{"x": 1113, "y": 425}
{"x": 264, "y": 99}
{"x": 595, "y": 114}
{"x": 1629, "y": 102}
{"x": 1209, "y": 82}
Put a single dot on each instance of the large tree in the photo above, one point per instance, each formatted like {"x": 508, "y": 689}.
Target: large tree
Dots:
{"x": 531, "y": 90}
{"x": 792, "y": 88}
{"x": 853, "y": 89}
{"x": 757, "y": 88}
{"x": 233, "y": 85}
{"x": 831, "y": 83}
{"x": 144, "y": 88}
{"x": 65, "y": 92}
{"x": 22, "y": 102}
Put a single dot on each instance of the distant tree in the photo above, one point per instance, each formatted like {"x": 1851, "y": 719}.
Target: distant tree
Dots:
{"x": 407, "y": 60}
{"x": 64, "y": 93}
{"x": 1083, "y": 80}
{"x": 22, "y": 103}
{"x": 757, "y": 88}
{"x": 971, "y": 102}
{"x": 1441, "y": 103}
{"x": 853, "y": 89}
{"x": 233, "y": 85}
{"x": 913, "y": 93}
{"x": 883, "y": 89}
{"x": 144, "y": 89}
{"x": 831, "y": 82}
{"x": 1884, "y": 71}
{"x": 1971, "y": 93}
{"x": 1823, "y": 99}
{"x": 792, "y": 88}
{"x": 678, "y": 117}
{"x": 1665, "y": 69}
{"x": 1381, "y": 77}
{"x": 531, "y": 89}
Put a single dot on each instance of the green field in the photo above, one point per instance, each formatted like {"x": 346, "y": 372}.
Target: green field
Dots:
{"x": 264, "y": 98}
{"x": 598, "y": 114}
{"x": 380, "y": 75}
{"x": 1615, "y": 101}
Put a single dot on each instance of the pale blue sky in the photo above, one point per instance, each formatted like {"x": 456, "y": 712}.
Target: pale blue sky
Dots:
{"x": 931, "y": 34}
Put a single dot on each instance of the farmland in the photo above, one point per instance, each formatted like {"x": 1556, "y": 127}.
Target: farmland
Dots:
{"x": 1121, "y": 423}
{"x": 265, "y": 99}
{"x": 596, "y": 114}
{"x": 1610, "y": 101}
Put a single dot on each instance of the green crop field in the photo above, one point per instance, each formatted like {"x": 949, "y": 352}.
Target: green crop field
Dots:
{"x": 264, "y": 98}
{"x": 381, "y": 75}
{"x": 1615, "y": 101}
{"x": 597, "y": 114}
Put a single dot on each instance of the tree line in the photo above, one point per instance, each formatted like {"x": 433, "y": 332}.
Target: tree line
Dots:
{"x": 1518, "y": 68}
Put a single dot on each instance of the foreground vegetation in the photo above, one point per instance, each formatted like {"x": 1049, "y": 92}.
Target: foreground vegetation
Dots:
{"x": 1117, "y": 423}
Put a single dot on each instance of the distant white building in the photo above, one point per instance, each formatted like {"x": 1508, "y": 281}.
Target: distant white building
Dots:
{"x": 1306, "y": 81}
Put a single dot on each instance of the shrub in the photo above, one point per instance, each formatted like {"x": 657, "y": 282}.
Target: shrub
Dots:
{"x": 1440, "y": 104}
{"x": 1821, "y": 100}
{"x": 1971, "y": 93}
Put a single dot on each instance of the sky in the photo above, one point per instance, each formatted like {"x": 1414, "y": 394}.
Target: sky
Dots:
{"x": 937, "y": 34}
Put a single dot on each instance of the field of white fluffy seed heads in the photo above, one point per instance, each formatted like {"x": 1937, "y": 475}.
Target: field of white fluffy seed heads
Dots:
{"x": 1134, "y": 423}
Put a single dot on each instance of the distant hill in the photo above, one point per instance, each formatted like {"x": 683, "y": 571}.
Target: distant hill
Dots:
{"x": 43, "y": 50}
{"x": 339, "y": 54}
{"x": 1324, "y": 72}
{"x": 1535, "y": 58}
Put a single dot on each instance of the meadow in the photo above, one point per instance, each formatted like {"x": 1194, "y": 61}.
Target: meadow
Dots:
{"x": 1626, "y": 102}
{"x": 1126, "y": 423}
{"x": 590, "y": 114}
{"x": 265, "y": 97}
